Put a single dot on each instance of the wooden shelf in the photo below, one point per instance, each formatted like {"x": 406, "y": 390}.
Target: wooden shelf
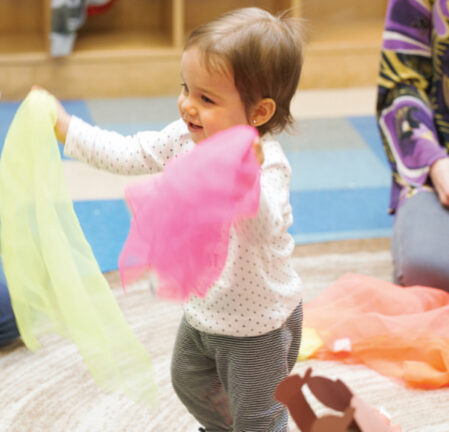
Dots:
{"x": 21, "y": 43}
{"x": 135, "y": 47}
{"x": 343, "y": 54}
{"x": 23, "y": 30}
{"x": 200, "y": 11}
{"x": 347, "y": 36}
{"x": 123, "y": 44}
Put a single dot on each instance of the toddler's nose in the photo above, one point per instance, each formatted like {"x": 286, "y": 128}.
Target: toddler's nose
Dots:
{"x": 190, "y": 109}
{"x": 186, "y": 104}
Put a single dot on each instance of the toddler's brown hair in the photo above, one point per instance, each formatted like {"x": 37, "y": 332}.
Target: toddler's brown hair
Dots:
{"x": 264, "y": 52}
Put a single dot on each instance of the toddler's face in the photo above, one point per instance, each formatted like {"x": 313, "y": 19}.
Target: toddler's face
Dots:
{"x": 209, "y": 102}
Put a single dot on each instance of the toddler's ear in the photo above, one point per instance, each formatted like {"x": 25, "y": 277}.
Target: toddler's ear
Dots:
{"x": 262, "y": 112}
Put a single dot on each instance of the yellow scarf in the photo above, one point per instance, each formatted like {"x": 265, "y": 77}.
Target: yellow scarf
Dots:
{"x": 53, "y": 277}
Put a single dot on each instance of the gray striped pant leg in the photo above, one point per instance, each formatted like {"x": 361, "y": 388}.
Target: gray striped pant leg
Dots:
{"x": 195, "y": 381}
{"x": 251, "y": 368}
{"x": 206, "y": 368}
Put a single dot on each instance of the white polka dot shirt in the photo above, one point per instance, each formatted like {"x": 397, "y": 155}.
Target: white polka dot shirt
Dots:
{"x": 258, "y": 288}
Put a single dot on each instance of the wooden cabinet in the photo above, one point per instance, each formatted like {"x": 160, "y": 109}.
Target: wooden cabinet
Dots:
{"x": 23, "y": 29}
{"x": 344, "y": 42}
{"x": 133, "y": 25}
{"x": 134, "y": 48}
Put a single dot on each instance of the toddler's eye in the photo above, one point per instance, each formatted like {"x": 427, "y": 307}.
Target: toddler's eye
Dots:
{"x": 184, "y": 87}
{"x": 206, "y": 99}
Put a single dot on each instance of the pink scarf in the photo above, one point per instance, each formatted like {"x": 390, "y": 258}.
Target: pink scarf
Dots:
{"x": 181, "y": 220}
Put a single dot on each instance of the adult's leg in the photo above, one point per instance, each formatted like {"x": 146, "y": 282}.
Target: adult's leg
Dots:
{"x": 195, "y": 381}
{"x": 8, "y": 326}
{"x": 420, "y": 242}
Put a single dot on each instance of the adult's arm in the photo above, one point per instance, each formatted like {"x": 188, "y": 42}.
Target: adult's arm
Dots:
{"x": 406, "y": 109}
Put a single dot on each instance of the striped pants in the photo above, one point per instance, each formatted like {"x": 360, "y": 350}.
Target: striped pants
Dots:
{"x": 227, "y": 383}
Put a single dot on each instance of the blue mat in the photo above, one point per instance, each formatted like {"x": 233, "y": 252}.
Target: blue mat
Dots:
{"x": 105, "y": 224}
{"x": 341, "y": 180}
{"x": 340, "y": 183}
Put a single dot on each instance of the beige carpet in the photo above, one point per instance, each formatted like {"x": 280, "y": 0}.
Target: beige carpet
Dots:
{"x": 51, "y": 391}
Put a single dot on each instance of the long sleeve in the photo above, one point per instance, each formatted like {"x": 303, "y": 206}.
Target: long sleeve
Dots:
{"x": 143, "y": 153}
{"x": 408, "y": 103}
{"x": 275, "y": 212}
{"x": 258, "y": 288}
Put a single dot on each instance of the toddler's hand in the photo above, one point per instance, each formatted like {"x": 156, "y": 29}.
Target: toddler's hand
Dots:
{"x": 62, "y": 118}
{"x": 258, "y": 150}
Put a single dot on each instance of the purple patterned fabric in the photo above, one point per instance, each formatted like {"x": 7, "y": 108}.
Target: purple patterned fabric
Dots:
{"x": 440, "y": 16}
{"x": 409, "y": 18}
{"x": 413, "y": 92}
{"x": 398, "y": 45}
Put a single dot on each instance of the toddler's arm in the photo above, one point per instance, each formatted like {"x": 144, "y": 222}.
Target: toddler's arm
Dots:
{"x": 275, "y": 213}
{"x": 143, "y": 153}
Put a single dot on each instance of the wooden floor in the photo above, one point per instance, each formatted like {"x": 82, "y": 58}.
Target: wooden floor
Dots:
{"x": 343, "y": 247}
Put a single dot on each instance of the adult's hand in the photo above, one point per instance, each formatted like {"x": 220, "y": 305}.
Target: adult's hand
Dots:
{"x": 439, "y": 173}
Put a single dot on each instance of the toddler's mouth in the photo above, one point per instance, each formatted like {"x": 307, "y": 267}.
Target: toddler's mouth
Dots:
{"x": 194, "y": 127}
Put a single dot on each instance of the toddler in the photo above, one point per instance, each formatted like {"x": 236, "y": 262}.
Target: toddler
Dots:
{"x": 235, "y": 345}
